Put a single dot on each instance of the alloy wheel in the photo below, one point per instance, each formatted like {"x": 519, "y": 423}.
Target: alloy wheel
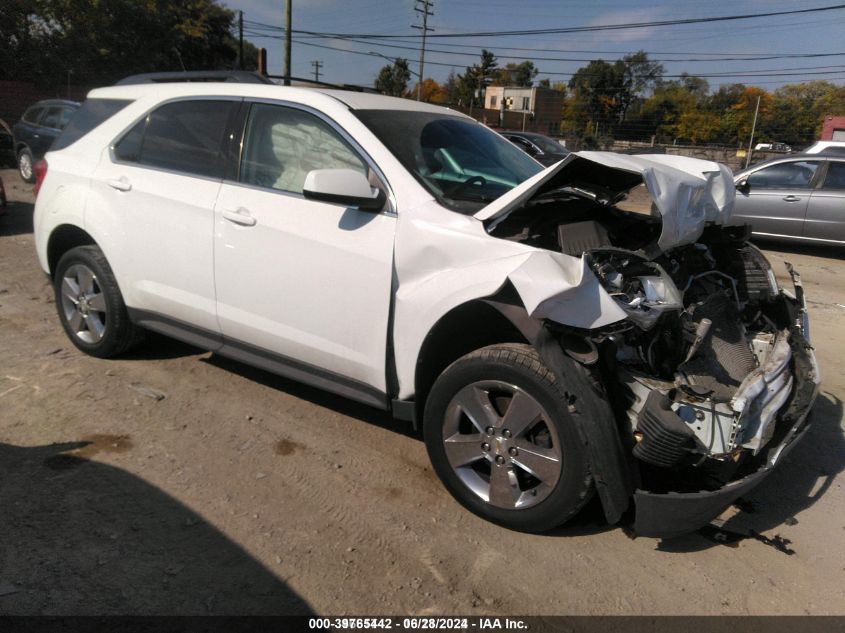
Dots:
{"x": 501, "y": 444}
{"x": 25, "y": 165}
{"x": 84, "y": 304}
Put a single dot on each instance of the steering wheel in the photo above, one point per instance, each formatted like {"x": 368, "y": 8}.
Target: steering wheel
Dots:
{"x": 472, "y": 180}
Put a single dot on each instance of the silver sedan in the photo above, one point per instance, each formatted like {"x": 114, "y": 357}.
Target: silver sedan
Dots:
{"x": 800, "y": 197}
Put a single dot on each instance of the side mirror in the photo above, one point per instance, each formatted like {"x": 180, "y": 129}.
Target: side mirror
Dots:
{"x": 343, "y": 186}
{"x": 743, "y": 185}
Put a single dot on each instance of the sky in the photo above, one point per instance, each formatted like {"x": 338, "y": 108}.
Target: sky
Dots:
{"x": 710, "y": 45}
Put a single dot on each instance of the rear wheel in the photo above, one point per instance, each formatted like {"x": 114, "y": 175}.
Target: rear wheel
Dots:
{"x": 90, "y": 305}
{"x": 501, "y": 438}
{"x": 25, "y": 166}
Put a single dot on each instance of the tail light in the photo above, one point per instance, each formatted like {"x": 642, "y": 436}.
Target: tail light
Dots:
{"x": 40, "y": 170}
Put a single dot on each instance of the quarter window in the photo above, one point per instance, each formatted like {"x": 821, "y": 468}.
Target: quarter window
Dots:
{"x": 797, "y": 175}
{"x": 281, "y": 145}
{"x": 52, "y": 118}
{"x": 184, "y": 136}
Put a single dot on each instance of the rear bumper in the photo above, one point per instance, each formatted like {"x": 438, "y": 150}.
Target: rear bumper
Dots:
{"x": 672, "y": 514}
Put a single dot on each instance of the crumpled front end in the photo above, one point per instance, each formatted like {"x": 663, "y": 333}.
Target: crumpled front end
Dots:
{"x": 705, "y": 360}
{"x": 714, "y": 375}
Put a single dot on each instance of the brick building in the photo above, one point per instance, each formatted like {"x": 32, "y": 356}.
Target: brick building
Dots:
{"x": 528, "y": 109}
{"x": 833, "y": 128}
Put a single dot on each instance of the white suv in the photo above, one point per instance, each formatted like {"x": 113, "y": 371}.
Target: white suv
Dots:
{"x": 594, "y": 326}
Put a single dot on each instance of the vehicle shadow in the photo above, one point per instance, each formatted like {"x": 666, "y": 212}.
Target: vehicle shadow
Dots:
{"x": 319, "y": 397}
{"x": 17, "y": 219}
{"x": 157, "y": 346}
{"x": 82, "y": 538}
{"x": 805, "y": 475}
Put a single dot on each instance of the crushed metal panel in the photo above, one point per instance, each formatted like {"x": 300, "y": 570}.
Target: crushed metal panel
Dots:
{"x": 687, "y": 192}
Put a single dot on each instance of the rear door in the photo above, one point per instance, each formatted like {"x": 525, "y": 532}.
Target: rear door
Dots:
{"x": 303, "y": 286}
{"x": 826, "y": 212}
{"x": 162, "y": 178}
{"x": 776, "y": 198}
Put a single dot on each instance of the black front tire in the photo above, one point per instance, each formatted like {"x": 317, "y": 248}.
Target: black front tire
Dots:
{"x": 105, "y": 330}
{"x": 517, "y": 368}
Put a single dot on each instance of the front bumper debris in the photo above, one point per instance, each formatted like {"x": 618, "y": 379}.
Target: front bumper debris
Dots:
{"x": 665, "y": 515}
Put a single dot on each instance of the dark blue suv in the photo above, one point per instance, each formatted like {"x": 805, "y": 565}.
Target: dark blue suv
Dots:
{"x": 38, "y": 128}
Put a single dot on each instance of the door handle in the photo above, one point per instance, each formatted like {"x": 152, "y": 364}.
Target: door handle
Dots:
{"x": 791, "y": 198}
{"x": 239, "y": 216}
{"x": 121, "y": 184}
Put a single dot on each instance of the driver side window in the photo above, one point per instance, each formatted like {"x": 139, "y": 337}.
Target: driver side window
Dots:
{"x": 281, "y": 145}
{"x": 797, "y": 175}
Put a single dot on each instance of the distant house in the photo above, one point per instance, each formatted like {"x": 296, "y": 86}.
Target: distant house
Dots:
{"x": 833, "y": 128}
{"x": 528, "y": 109}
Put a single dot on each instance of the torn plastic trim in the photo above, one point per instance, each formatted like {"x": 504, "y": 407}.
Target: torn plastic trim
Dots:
{"x": 687, "y": 192}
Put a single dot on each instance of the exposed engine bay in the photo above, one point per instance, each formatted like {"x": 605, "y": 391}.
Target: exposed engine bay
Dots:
{"x": 703, "y": 364}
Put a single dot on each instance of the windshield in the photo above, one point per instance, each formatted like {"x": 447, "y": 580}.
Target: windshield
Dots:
{"x": 550, "y": 146}
{"x": 460, "y": 162}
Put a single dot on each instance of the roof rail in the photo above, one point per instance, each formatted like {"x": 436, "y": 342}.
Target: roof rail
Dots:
{"x": 232, "y": 76}
{"x": 324, "y": 84}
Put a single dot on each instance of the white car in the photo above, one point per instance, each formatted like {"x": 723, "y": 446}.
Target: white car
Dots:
{"x": 826, "y": 147}
{"x": 552, "y": 334}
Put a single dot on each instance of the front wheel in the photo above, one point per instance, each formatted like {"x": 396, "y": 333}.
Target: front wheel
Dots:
{"x": 90, "y": 305}
{"x": 502, "y": 440}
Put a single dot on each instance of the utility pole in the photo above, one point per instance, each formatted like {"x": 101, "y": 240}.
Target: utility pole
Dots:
{"x": 241, "y": 40}
{"x": 422, "y": 7}
{"x": 317, "y": 65}
{"x": 288, "y": 12}
{"x": 753, "y": 127}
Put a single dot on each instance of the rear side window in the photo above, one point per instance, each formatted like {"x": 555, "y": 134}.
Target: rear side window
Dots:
{"x": 33, "y": 114}
{"x": 92, "y": 113}
{"x": 835, "y": 178}
{"x": 185, "y": 136}
{"x": 52, "y": 117}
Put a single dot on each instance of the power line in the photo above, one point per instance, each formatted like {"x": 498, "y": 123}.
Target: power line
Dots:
{"x": 399, "y": 39}
{"x": 590, "y": 28}
{"x": 743, "y": 73}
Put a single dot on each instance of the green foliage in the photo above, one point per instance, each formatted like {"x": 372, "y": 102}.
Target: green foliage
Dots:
{"x": 99, "y": 41}
{"x": 393, "y": 79}
{"x": 521, "y": 74}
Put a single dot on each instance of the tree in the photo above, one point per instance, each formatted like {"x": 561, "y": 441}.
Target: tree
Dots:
{"x": 100, "y": 42}
{"x": 393, "y": 79}
{"x": 641, "y": 75}
{"x": 521, "y": 74}
{"x": 432, "y": 92}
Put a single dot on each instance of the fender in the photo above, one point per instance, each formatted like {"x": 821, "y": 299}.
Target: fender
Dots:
{"x": 593, "y": 417}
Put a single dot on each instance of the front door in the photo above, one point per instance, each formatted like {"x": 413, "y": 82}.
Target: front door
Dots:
{"x": 301, "y": 282}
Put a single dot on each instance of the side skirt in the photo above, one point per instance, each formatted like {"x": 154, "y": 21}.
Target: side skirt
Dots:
{"x": 256, "y": 357}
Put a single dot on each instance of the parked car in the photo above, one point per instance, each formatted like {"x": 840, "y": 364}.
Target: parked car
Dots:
{"x": 38, "y": 128}
{"x": 541, "y": 148}
{"x": 552, "y": 338}
{"x": 827, "y": 147}
{"x": 7, "y": 146}
{"x": 775, "y": 147}
{"x": 800, "y": 197}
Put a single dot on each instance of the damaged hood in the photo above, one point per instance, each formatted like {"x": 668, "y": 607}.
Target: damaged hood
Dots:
{"x": 687, "y": 192}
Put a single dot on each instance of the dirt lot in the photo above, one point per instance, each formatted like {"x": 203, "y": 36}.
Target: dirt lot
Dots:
{"x": 173, "y": 481}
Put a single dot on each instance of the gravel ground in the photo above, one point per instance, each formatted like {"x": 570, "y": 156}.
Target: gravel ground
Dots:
{"x": 174, "y": 481}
